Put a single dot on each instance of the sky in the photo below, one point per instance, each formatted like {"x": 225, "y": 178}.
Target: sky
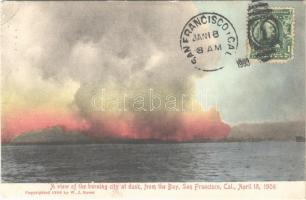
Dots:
{"x": 59, "y": 55}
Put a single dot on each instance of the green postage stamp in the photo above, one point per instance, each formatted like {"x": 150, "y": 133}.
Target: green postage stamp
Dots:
{"x": 271, "y": 34}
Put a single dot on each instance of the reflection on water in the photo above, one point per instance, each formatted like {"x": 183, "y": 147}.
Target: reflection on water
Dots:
{"x": 248, "y": 161}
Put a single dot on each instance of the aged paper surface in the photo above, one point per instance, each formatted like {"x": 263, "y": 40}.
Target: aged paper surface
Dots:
{"x": 166, "y": 99}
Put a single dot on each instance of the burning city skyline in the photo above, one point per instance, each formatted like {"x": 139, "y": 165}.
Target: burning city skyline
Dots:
{"x": 126, "y": 118}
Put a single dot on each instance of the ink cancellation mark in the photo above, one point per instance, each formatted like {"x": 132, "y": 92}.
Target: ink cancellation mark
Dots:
{"x": 270, "y": 33}
{"x": 208, "y": 36}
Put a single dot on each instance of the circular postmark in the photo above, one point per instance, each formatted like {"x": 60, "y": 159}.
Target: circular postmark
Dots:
{"x": 206, "y": 38}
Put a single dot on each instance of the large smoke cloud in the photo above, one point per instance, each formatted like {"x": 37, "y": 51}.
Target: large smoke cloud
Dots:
{"x": 122, "y": 48}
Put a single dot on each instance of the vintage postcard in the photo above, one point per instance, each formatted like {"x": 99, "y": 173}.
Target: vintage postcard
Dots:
{"x": 163, "y": 99}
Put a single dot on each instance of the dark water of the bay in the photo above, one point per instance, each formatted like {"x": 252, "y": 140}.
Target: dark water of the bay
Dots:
{"x": 245, "y": 161}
